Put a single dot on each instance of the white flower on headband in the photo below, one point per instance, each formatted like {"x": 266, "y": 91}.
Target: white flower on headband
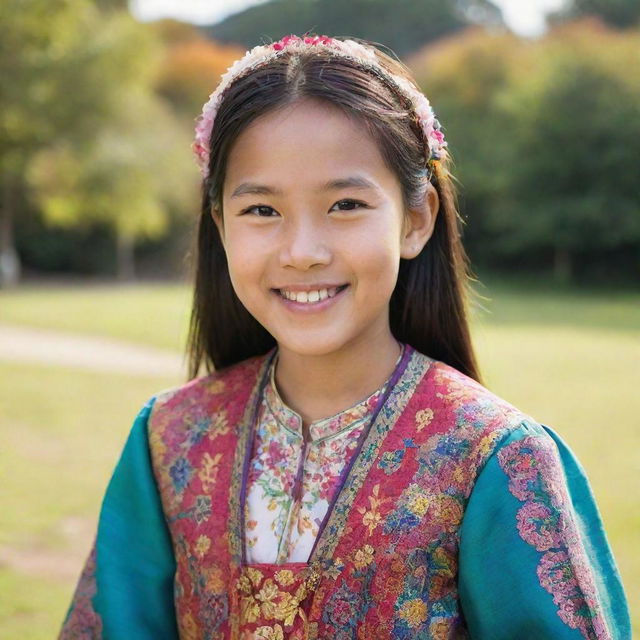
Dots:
{"x": 348, "y": 48}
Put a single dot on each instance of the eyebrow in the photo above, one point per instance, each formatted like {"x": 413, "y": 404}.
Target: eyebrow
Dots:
{"x": 354, "y": 182}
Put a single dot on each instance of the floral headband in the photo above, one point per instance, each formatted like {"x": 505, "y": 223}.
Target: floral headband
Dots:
{"x": 366, "y": 56}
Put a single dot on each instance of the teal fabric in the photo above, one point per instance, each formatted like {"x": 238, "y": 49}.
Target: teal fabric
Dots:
{"x": 500, "y": 592}
{"x": 135, "y": 565}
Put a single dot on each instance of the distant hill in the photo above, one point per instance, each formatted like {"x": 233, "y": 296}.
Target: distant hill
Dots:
{"x": 402, "y": 25}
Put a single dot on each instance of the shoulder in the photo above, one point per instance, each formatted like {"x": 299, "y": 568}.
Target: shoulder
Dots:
{"x": 207, "y": 395}
{"x": 463, "y": 415}
{"x": 467, "y": 402}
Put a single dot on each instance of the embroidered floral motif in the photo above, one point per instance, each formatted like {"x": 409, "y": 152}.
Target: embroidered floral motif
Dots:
{"x": 545, "y": 521}
{"x": 271, "y": 594}
{"x": 387, "y": 560}
{"x": 275, "y": 522}
{"x": 371, "y": 516}
{"x": 82, "y": 621}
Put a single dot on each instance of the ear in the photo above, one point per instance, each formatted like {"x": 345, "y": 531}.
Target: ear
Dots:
{"x": 419, "y": 224}
{"x": 219, "y": 222}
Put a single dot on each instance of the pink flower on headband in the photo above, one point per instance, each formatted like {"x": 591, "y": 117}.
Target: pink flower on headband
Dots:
{"x": 348, "y": 48}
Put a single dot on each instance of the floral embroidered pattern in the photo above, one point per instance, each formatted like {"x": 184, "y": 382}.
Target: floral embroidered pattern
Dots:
{"x": 82, "y": 620}
{"x": 546, "y": 522}
{"x": 197, "y": 444}
{"x": 279, "y": 529}
{"x": 274, "y": 595}
{"x": 387, "y": 561}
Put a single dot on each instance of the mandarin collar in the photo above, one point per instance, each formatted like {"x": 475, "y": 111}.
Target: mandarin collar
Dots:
{"x": 286, "y": 417}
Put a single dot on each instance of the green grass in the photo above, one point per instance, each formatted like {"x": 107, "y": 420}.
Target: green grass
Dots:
{"x": 61, "y": 432}
{"x": 151, "y": 314}
{"x": 570, "y": 359}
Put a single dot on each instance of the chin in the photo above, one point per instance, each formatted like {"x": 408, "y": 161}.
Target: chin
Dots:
{"x": 312, "y": 344}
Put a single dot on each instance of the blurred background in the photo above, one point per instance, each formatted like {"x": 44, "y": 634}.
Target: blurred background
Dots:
{"x": 540, "y": 103}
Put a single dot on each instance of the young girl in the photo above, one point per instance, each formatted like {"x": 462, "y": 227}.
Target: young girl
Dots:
{"x": 342, "y": 474}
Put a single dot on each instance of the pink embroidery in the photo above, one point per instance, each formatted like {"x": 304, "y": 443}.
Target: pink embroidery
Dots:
{"x": 82, "y": 620}
{"x": 545, "y": 522}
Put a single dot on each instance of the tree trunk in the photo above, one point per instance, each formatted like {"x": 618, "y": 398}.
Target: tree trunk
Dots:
{"x": 125, "y": 262}
{"x": 562, "y": 266}
{"x": 9, "y": 261}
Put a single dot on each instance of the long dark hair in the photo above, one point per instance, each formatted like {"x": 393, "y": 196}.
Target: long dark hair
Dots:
{"x": 428, "y": 307}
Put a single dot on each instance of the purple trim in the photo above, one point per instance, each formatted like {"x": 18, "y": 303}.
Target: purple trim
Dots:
{"x": 393, "y": 380}
{"x": 407, "y": 352}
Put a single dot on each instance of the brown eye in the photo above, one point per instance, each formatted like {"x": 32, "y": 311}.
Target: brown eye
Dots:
{"x": 261, "y": 211}
{"x": 351, "y": 205}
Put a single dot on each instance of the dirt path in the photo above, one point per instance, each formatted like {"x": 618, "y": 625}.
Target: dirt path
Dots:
{"x": 43, "y": 346}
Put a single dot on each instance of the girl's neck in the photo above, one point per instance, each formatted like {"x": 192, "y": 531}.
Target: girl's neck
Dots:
{"x": 316, "y": 387}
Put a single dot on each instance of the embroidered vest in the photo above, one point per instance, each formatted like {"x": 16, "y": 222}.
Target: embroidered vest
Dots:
{"x": 384, "y": 564}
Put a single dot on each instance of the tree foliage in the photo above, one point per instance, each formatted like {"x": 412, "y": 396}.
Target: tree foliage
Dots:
{"x": 547, "y": 138}
{"x": 617, "y": 13}
{"x": 191, "y": 67}
{"x": 403, "y": 25}
{"x": 84, "y": 134}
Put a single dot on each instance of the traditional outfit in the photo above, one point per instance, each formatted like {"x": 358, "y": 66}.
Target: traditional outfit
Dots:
{"x": 431, "y": 509}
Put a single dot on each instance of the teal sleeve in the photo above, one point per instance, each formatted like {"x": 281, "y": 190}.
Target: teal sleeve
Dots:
{"x": 126, "y": 589}
{"x": 534, "y": 559}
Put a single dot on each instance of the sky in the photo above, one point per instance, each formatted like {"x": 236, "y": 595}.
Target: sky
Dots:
{"x": 525, "y": 17}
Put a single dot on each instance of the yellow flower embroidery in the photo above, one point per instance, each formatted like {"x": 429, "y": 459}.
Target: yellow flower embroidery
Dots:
{"x": 202, "y": 545}
{"x": 371, "y": 518}
{"x": 267, "y": 596}
{"x": 458, "y": 475}
{"x": 255, "y": 576}
{"x": 423, "y": 419}
{"x": 208, "y": 473}
{"x": 284, "y": 577}
{"x": 269, "y": 633}
{"x": 419, "y": 505}
{"x": 363, "y": 557}
{"x": 448, "y": 512}
{"x": 219, "y": 425}
{"x": 249, "y": 609}
{"x": 215, "y": 583}
{"x": 244, "y": 585}
{"x": 486, "y": 444}
{"x": 287, "y": 609}
{"x": 414, "y": 612}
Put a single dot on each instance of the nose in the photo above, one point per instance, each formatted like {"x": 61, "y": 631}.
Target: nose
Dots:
{"x": 304, "y": 245}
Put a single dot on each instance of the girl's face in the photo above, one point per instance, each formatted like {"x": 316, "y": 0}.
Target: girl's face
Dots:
{"x": 314, "y": 228}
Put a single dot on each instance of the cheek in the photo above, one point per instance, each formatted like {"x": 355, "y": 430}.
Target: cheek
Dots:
{"x": 246, "y": 266}
{"x": 376, "y": 261}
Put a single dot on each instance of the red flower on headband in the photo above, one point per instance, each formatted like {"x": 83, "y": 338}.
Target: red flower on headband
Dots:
{"x": 287, "y": 40}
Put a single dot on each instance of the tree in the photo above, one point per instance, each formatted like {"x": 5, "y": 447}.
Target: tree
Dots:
{"x": 134, "y": 175}
{"x": 404, "y": 25}
{"x": 617, "y": 13}
{"x": 574, "y": 122}
{"x": 71, "y": 78}
{"x": 545, "y": 137}
{"x": 462, "y": 75}
{"x": 191, "y": 68}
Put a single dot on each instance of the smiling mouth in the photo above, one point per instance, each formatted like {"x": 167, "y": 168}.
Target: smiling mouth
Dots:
{"x": 312, "y": 296}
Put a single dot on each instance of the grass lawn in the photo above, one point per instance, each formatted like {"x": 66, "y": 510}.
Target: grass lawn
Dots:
{"x": 570, "y": 359}
{"x": 150, "y": 314}
{"x": 61, "y": 432}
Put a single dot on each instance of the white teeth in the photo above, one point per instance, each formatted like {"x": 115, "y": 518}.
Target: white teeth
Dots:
{"x": 309, "y": 297}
